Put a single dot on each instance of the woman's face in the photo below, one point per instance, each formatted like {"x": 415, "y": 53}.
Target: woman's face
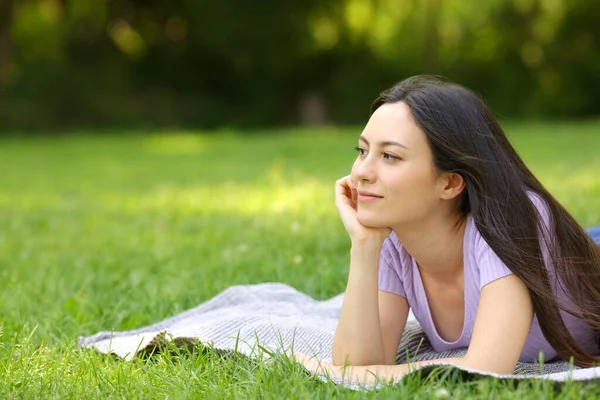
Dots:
{"x": 394, "y": 172}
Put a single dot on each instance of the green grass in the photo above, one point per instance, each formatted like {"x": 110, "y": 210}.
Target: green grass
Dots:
{"x": 116, "y": 232}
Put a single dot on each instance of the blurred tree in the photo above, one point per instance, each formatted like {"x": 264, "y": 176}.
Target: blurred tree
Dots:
{"x": 239, "y": 63}
{"x": 6, "y": 12}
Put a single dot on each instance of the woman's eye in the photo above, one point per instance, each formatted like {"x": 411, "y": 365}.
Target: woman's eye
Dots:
{"x": 388, "y": 156}
{"x": 360, "y": 151}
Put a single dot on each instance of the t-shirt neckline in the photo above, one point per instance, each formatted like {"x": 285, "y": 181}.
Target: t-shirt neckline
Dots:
{"x": 466, "y": 281}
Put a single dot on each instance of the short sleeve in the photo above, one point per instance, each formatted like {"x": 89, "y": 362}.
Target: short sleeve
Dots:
{"x": 490, "y": 265}
{"x": 390, "y": 269}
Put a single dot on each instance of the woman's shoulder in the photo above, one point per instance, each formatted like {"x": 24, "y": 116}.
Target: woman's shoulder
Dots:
{"x": 392, "y": 244}
{"x": 478, "y": 243}
{"x": 475, "y": 246}
{"x": 541, "y": 205}
{"x": 393, "y": 252}
{"x": 480, "y": 259}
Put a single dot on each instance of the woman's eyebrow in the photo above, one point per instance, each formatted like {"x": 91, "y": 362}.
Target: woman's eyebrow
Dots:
{"x": 384, "y": 143}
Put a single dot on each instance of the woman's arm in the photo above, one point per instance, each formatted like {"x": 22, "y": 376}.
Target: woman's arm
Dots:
{"x": 502, "y": 324}
{"x": 393, "y": 313}
{"x": 358, "y": 338}
{"x": 371, "y": 321}
{"x": 504, "y": 317}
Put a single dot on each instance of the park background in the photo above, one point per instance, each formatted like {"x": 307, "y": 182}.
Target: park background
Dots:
{"x": 238, "y": 63}
{"x": 156, "y": 152}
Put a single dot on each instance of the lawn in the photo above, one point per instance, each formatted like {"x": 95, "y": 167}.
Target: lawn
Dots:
{"x": 120, "y": 230}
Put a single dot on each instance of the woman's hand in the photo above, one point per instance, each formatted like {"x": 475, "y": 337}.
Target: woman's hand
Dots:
{"x": 314, "y": 365}
{"x": 361, "y": 374}
{"x": 333, "y": 371}
{"x": 346, "y": 203}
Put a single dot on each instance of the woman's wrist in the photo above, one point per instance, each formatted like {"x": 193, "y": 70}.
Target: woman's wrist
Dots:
{"x": 367, "y": 244}
{"x": 365, "y": 254}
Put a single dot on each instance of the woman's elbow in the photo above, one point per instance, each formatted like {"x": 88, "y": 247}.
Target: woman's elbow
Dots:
{"x": 500, "y": 368}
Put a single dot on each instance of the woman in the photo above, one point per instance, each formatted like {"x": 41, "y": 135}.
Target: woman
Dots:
{"x": 445, "y": 219}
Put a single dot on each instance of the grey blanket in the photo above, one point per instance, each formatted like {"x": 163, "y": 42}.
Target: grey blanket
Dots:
{"x": 277, "y": 317}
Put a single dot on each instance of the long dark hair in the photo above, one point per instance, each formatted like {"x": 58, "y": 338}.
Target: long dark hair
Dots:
{"x": 465, "y": 137}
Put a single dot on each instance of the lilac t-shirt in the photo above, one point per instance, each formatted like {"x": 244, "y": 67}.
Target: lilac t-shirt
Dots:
{"x": 398, "y": 273}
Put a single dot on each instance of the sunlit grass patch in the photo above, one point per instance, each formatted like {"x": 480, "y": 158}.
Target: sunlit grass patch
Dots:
{"x": 116, "y": 232}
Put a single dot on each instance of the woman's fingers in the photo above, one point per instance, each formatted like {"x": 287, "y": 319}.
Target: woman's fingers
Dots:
{"x": 354, "y": 191}
{"x": 346, "y": 191}
{"x": 342, "y": 190}
{"x": 346, "y": 194}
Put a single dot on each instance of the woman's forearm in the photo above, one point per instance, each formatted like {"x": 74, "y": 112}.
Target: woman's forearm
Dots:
{"x": 358, "y": 338}
{"x": 371, "y": 374}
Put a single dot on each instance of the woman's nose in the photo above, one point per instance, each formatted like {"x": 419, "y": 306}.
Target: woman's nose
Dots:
{"x": 364, "y": 170}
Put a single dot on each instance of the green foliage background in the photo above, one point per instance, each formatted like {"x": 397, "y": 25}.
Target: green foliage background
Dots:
{"x": 156, "y": 63}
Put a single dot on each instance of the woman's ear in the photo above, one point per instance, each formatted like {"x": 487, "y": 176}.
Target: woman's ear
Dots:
{"x": 452, "y": 185}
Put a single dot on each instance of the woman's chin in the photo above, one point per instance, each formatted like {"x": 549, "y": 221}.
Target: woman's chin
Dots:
{"x": 369, "y": 220}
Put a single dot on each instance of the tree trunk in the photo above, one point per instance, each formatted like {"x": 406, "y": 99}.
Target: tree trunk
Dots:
{"x": 6, "y": 14}
{"x": 429, "y": 55}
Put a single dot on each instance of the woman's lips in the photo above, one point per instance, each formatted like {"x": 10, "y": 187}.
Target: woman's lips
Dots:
{"x": 367, "y": 197}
